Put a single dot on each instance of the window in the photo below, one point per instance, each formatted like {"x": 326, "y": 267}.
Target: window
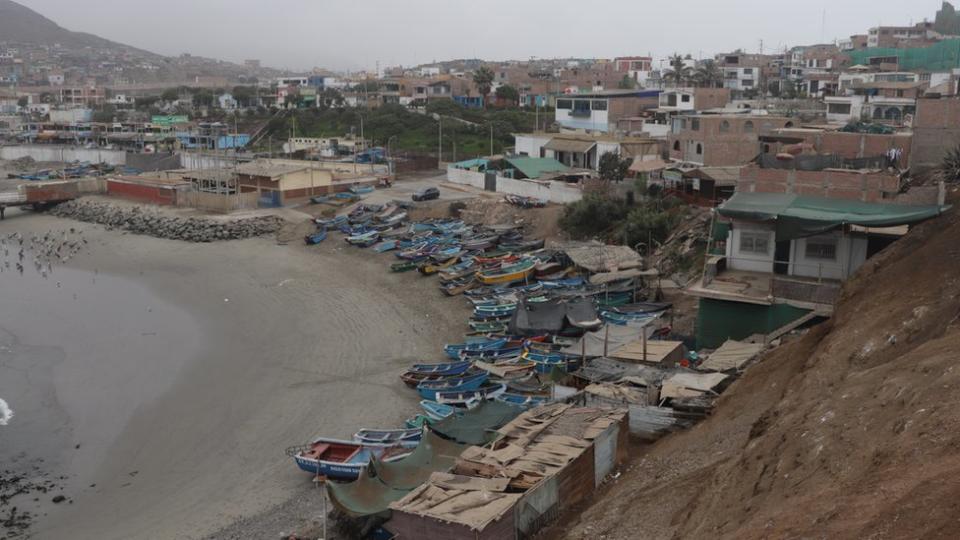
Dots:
{"x": 695, "y": 124}
{"x": 676, "y": 146}
{"x": 838, "y": 108}
{"x": 686, "y": 98}
{"x": 599, "y": 105}
{"x": 748, "y": 127}
{"x": 564, "y": 104}
{"x": 724, "y": 126}
{"x": 822, "y": 248}
{"x": 699, "y": 149}
{"x": 755, "y": 242}
{"x": 748, "y": 71}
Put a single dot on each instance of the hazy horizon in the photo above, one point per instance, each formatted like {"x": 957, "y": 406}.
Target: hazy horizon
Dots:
{"x": 349, "y": 36}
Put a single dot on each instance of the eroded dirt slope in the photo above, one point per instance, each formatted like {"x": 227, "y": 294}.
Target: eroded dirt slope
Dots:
{"x": 852, "y": 431}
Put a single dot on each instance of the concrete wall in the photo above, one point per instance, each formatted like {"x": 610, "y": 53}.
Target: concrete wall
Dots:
{"x": 63, "y": 153}
{"x": 851, "y": 254}
{"x": 555, "y": 192}
{"x": 195, "y": 161}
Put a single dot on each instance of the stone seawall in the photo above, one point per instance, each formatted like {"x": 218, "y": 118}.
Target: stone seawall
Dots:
{"x": 149, "y": 222}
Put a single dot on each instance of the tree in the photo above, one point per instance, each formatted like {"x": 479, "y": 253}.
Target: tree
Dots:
{"x": 627, "y": 83}
{"x": 170, "y": 95}
{"x": 483, "y": 78}
{"x": 508, "y": 93}
{"x": 612, "y": 168}
{"x": 949, "y": 169}
{"x": 708, "y": 75}
{"x": 679, "y": 71}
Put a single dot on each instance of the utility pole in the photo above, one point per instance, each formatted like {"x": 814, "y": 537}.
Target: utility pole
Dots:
{"x": 440, "y": 147}
{"x": 491, "y": 138}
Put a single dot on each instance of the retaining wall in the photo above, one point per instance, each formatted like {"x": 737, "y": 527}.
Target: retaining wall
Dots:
{"x": 40, "y": 152}
{"x": 555, "y": 192}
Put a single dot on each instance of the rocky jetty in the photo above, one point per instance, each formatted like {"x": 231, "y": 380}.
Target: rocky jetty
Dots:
{"x": 139, "y": 220}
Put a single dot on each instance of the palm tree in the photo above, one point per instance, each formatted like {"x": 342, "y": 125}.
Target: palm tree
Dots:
{"x": 483, "y": 78}
{"x": 708, "y": 75}
{"x": 678, "y": 72}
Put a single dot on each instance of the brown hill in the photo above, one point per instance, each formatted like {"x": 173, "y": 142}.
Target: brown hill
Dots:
{"x": 852, "y": 431}
{"x": 20, "y": 24}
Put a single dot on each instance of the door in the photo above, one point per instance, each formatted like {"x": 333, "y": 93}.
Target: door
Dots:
{"x": 781, "y": 258}
{"x": 490, "y": 181}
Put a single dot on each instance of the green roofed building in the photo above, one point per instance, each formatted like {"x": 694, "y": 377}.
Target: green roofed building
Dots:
{"x": 941, "y": 56}
{"x": 537, "y": 168}
{"x": 780, "y": 259}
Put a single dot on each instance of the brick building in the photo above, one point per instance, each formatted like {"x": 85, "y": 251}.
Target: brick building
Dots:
{"x": 936, "y": 129}
{"x": 720, "y": 140}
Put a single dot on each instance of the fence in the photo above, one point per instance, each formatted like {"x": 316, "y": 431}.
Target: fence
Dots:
{"x": 555, "y": 192}
{"x": 819, "y": 162}
{"x": 218, "y": 202}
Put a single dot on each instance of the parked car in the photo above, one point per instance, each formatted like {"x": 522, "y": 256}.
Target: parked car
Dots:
{"x": 426, "y": 194}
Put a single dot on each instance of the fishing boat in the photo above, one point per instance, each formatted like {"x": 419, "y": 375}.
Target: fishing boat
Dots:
{"x": 468, "y": 398}
{"x": 315, "y": 238}
{"x": 495, "y": 354}
{"x": 403, "y": 266}
{"x": 331, "y": 223}
{"x": 413, "y": 379}
{"x": 395, "y": 219}
{"x": 429, "y": 389}
{"x": 387, "y": 436}
{"x": 458, "y": 287}
{"x": 436, "y": 411}
{"x": 545, "y": 362}
{"x": 361, "y": 190}
{"x": 364, "y": 240}
{"x": 483, "y": 327}
{"x": 481, "y": 243}
{"x": 520, "y": 247}
{"x": 512, "y": 370}
{"x": 527, "y": 402}
{"x": 507, "y": 274}
{"x": 430, "y": 267}
{"x": 479, "y": 344}
{"x": 447, "y": 368}
{"x": 569, "y": 283}
{"x": 384, "y": 246}
{"x": 344, "y": 460}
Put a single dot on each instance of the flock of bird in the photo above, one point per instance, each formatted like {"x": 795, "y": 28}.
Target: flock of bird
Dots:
{"x": 43, "y": 251}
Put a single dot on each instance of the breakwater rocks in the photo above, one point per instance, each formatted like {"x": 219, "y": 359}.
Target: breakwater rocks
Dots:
{"x": 151, "y": 222}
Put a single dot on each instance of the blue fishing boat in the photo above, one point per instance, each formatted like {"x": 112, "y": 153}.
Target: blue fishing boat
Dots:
{"x": 385, "y": 246}
{"x": 522, "y": 400}
{"x": 470, "y": 398}
{"x": 364, "y": 240}
{"x": 429, "y": 389}
{"x": 569, "y": 283}
{"x": 475, "y": 344}
{"x": 361, "y": 190}
{"x": 494, "y": 354}
{"x": 449, "y": 368}
{"x": 436, "y": 411}
{"x": 344, "y": 460}
{"x": 332, "y": 223}
{"x": 315, "y": 238}
{"x": 385, "y": 436}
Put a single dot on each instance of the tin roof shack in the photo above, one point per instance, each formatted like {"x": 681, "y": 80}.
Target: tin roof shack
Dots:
{"x": 584, "y": 150}
{"x": 151, "y": 190}
{"x": 281, "y": 182}
{"x": 782, "y": 258}
{"x": 544, "y": 462}
{"x": 720, "y": 140}
{"x": 705, "y": 186}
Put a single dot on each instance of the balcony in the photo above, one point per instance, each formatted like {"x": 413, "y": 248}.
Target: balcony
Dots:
{"x": 763, "y": 288}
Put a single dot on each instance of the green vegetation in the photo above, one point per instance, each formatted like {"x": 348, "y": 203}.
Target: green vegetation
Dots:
{"x": 949, "y": 168}
{"x": 620, "y": 220}
{"x": 466, "y": 132}
{"x": 483, "y": 78}
{"x": 612, "y": 168}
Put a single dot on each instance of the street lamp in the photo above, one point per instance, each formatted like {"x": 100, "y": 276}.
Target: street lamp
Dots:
{"x": 390, "y": 156}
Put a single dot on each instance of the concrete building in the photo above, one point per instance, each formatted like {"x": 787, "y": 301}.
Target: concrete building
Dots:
{"x": 600, "y": 111}
{"x": 936, "y": 130}
{"x": 720, "y": 140}
{"x": 583, "y": 151}
{"x": 637, "y": 68}
{"x": 280, "y": 182}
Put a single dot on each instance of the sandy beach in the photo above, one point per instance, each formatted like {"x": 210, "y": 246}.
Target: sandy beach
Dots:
{"x": 162, "y": 380}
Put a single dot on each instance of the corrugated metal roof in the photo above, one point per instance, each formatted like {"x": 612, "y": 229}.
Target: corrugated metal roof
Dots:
{"x": 558, "y": 144}
{"x": 535, "y": 168}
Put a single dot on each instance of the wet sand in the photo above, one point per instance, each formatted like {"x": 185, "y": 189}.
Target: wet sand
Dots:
{"x": 184, "y": 370}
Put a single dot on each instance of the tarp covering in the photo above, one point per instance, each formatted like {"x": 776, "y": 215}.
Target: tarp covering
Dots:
{"x": 534, "y": 168}
{"x": 384, "y": 483}
{"x": 799, "y": 216}
{"x": 598, "y": 257}
{"x": 616, "y": 336}
{"x": 551, "y": 317}
{"x": 476, "y": 426}
{"x": 558, "y": 144}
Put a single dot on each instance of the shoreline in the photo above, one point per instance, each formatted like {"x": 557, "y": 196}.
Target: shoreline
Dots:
{"x": 309, "y": 343}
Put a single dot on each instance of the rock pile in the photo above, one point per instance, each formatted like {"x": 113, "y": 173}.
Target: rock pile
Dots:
{"x": 149, "y": 222}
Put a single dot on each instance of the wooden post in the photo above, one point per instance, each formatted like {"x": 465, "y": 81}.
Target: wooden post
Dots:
{"x": 643, "y": 336}
{"x": 583, "y": 349}
{"x": 606, "y": 337}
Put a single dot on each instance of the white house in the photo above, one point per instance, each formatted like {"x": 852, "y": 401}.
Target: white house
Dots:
{"x": 227, "y": 101}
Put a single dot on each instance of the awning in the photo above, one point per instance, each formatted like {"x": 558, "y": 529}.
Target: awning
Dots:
{"x": 569, "y": 145}
{"x": 648, "y": 166}
{"x": 799, "y": 216}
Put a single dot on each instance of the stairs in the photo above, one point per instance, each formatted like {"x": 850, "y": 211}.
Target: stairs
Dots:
{"x": 793, "y": 325}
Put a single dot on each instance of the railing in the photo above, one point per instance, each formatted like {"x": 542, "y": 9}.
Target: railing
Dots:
{"x": 791, "y": 287}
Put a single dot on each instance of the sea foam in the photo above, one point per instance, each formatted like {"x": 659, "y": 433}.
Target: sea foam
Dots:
{"x": 6, "y": 413}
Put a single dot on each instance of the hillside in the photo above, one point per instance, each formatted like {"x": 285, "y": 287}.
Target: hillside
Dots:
{"x": 20, "y": 24}
{"x": 852, "y": 431}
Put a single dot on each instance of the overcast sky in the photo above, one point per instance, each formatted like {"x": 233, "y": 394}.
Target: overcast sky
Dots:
{"x": 355, "y": 34}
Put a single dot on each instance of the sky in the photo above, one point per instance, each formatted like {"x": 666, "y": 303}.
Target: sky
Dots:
{"x": 355, "y": 35}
